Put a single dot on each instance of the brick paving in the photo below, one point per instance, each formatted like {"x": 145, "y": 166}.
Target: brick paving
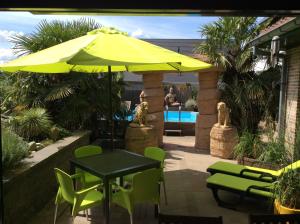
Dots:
{"x": 187, "y": 194}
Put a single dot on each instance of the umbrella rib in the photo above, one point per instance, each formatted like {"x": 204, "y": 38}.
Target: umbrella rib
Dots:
{"x": 174, "y": 66}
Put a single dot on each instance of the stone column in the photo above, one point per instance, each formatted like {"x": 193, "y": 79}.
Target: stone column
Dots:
{"x": 207, "y": 99}
{"x": 154, "y": 95}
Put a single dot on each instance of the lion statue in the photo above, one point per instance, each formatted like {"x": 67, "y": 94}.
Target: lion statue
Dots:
{"x": 223, "y": 115}
{"x": 141, "y": 115}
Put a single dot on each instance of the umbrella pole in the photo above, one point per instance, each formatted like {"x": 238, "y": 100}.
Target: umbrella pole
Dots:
{"x": 110, "y": 107}
{"x": 1, "y": 176}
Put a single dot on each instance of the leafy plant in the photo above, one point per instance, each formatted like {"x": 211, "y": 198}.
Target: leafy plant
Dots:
{"x": 75, "y": 100}
{"x": 56, "y": 132}
{"x": 275, "y": 151}
{"x": 32, "y": 123}
{"x": 191, "y": 104}
{"x": 14, "y": 149}
{"x": 249, "y": 146}
{"x": 287, "y": 189}
{"x": 251, "y": 97}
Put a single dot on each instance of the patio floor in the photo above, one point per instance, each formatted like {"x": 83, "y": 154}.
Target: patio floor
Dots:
{"x": 185, "y": 175}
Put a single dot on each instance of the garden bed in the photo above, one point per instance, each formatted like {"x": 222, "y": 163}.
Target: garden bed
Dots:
{"x": 256, "y": 163}
{"x": 30, "y": 186}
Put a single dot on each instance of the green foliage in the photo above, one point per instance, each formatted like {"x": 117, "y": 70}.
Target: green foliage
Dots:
{"x": 72, "y": 100}
{"x": 227, "y": 40}
{"x": 249, "y": 146}
{"x": 55, "y": 133}
{"x": 274, "y": 151}
{"x": 14, "y": 149}
{"x": 251, "y": 97}
{"x": 287, "y": 189}
{"x": 32, "y": 123}
{"x": 48, "y": 34}
{"x": 191, "y": 104}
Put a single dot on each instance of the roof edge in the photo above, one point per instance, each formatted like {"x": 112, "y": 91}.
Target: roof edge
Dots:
{"x": 285, "y": 28}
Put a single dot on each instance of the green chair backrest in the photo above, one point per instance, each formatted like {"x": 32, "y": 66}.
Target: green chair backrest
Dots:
{"x": 155, "y": 153}
{"x": 65, "y": 184}
{"x": 293, "y": 166}
{"x": 87, "y": 150}
{"x": 145, "y": 186}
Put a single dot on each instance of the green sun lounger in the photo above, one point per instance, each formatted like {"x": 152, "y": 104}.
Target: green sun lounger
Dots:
{"x": 249, "y": 172}
{"x": 242, "y": 186}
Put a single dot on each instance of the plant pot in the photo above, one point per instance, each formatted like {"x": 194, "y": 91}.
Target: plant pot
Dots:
{"x": 280, "y": 209}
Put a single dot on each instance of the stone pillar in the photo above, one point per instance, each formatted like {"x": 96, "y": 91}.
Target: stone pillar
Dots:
{"x": 207, "y": 99}
{"x": 154, "y": 95}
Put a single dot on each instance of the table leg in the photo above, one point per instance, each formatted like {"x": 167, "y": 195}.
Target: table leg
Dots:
{"x": 106, "y": 200}
{"x": 72, "y": 171}
{"x": 121, "y": 181}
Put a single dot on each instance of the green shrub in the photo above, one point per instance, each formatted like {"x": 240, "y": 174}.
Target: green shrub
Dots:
{"x": 56, "y": 132}
{"x": 274, "y": 151}
{"x": 287, "y": 189}
{"x": 14, "y": 149}
{"x": 191, "y": 104}
{"x": 32, "y": 123}
{"x": 249, "y": 146}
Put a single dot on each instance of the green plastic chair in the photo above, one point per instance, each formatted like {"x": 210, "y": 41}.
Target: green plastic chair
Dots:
{"x": 89, "y": 150}
{"x": 79, "y": 200}
{"x": 144, "y": 188}
{"x": 249, "y": 171}
{"x": 160, "y": 155}
{"x": 156, "y": 154}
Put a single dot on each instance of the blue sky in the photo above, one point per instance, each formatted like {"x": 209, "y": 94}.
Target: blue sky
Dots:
{"x": 184, "y": 27}
{"x": 181, "y": 27}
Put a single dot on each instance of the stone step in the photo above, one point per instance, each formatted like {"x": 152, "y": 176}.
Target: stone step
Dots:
{"x": 172, "y": 131}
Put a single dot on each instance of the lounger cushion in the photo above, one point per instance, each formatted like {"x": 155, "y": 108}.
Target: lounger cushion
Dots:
{"x": 240, "y": 184}
{"x": 236, "y": 169}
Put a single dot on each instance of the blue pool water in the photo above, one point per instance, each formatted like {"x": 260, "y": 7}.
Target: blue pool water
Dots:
{"x": 185, "y": 116}
{"x": 173, "y": 116}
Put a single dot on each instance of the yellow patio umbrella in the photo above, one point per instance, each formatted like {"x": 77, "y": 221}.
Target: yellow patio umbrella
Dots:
{"x": 104, "y": 50}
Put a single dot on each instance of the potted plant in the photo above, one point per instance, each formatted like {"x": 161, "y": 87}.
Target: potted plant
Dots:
{"x": 287, "y": 193}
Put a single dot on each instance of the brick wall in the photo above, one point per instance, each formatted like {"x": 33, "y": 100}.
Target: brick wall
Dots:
{"x": 293, "y": 100}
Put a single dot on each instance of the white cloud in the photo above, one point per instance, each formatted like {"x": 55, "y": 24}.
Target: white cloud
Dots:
{"x": 6, "y": 55}
{"x": 261, "y": 65}
{"x": 137, "y": 33}
{"x": 5, "y": 35}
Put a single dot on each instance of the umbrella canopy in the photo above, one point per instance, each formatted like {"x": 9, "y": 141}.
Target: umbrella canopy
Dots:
{"x": 100, "y": 48}
{"x": 104, "y": 50}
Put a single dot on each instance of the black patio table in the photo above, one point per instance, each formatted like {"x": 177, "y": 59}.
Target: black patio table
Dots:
{"x": 108, "y": 165}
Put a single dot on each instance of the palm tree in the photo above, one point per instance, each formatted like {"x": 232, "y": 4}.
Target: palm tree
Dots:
{"x": 246, "y": 93}
{"x": 227, "y": 40}
{"x": 71, "y": 99}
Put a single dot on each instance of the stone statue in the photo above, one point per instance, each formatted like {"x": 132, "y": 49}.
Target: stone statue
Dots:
{"x": 223, "y": 136}
{"x": 223, "y": 115}
{"x": 140, "y": 118}
{"x": 171, "y": 99}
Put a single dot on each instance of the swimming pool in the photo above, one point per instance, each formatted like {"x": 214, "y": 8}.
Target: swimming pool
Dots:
{"x": 185, "y": 116}
{"x": 173, "y": 116}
